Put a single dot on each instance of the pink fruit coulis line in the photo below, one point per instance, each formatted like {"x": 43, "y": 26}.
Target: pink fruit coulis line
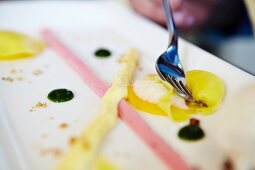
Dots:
{"x": 171, "y": 159}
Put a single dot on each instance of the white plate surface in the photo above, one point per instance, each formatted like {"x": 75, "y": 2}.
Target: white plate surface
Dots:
{"x": 86, "y": 26}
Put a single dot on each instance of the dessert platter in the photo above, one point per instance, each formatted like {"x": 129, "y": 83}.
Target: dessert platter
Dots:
{"x": 79, "y": 91}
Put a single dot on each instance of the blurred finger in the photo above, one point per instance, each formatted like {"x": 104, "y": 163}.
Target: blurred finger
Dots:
{"x": 175, "y": 4}
{"x": 149, "y": 9}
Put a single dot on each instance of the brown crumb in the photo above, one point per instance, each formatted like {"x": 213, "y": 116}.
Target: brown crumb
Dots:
{"x": 63, "y": 125}
{"x": 44, "y": 152}
{"x": 41, "y": 105}
{"x": 194, "y": 122}
{"x": 51, "y": 151}
{"x": 72, "y": 140}
{"x": 44, "y": 135}
{"x": 140, "y": 69}
{"x": 37, "y": 72}
{"x": 38, "y": 105}
{"x": 52, "y": 118}
{"x": 13, "y": 71}
{"x": 56, "y": 152}
{"x": 20, "y": 78}
{"x": 8, "y": 79}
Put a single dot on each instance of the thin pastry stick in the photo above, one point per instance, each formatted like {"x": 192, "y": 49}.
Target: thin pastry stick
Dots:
{"x": 83, "y": 154}
{"x": 171, "y": 159}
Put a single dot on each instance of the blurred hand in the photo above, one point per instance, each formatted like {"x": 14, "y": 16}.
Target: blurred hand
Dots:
{"x": 188, "y": 14}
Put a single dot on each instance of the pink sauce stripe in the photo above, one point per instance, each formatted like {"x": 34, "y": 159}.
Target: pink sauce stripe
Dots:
{"x": 171, "y": 159}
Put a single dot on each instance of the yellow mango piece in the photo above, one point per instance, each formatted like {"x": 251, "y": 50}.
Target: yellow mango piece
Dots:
{"x": 16, "y": 45}
{"x": 143, "y": 105}
{"x": 163, "y": 108}
{"x": 205, "y": 87}
{"x": 180, "y": 115}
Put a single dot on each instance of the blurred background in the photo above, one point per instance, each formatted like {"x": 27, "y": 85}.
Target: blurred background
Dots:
{"x": 222, "y": 27}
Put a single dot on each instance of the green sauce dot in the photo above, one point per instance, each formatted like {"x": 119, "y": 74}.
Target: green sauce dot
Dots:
{"x": 191, "y": 132}
{"x": 102, "y": 53}
{"x": 60, "y": 95}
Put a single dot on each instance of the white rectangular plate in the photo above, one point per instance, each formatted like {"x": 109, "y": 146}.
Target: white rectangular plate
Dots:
{"x": 32, "y": 140}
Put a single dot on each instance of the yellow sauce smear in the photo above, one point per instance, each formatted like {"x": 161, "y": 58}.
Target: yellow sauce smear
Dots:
{"x": 205, "y": 87}
{"x": 84, "y": 153}
{"x": 15, "y": 45}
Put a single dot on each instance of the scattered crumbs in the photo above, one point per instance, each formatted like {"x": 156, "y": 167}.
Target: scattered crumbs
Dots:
{"x": 72, "y": 140}
{"x": 44, "y": 136}
{"x": 38, "y": 105}
{"x": 52, "y": 118}
{"x": 63, "y": 125}
{"x": 37, "y": 72}
{"x": 8, "y": 79}
{"x": 13, "y": 71}
{"x": 55, "y": 152}
{"x": 140, "y": 69}
{"x": 41, "y": 105}
{"x": 19, "y": 78}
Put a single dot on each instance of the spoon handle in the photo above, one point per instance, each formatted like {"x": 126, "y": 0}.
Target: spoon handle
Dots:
{"x": 170, "y": 23}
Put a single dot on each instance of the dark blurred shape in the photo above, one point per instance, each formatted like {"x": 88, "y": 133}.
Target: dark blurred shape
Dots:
{"x": 228, "y": 34}
{"x": 228, "y": 165}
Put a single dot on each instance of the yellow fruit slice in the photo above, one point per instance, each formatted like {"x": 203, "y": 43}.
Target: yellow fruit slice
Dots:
{"x": 143, "y": 105}
{"x": 149, "y": 96}
{"x": 16, "y": 45}
{"x": 206, "y": 87}
{"x": 176, "y": 114}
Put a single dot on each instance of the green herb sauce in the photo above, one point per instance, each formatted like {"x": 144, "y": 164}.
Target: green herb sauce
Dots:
{"x": 102, "y": 53}
{"x": 191, "y": 132}
{"x": 60, "y": 95}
